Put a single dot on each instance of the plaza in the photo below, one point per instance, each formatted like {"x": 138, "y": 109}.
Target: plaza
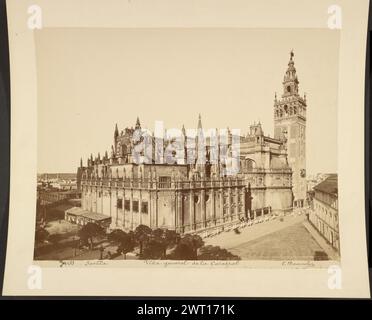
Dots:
{"x": 286, "y": 238}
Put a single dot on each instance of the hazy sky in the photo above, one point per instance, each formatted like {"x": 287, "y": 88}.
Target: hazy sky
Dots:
{"x": 90, "y": 79}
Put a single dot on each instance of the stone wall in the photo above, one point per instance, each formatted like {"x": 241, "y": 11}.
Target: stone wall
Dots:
{"x": 183, "y": 207}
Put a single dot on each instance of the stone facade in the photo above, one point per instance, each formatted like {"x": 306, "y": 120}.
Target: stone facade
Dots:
{"x": 324, "y": 214}
{"x": 165, "y": 202}
{"x": 265, "y": 168}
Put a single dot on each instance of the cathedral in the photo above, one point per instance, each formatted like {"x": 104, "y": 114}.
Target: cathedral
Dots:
{"x": 188, "y": 187}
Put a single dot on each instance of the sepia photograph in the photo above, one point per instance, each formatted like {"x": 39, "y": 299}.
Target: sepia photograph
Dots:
{"x": 187, "y": 144}
{"x": 157, "y": 146}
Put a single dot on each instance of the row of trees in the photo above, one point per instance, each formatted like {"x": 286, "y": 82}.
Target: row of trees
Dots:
{"x": 151, "y": 244}
{"x": 167, "y": 244}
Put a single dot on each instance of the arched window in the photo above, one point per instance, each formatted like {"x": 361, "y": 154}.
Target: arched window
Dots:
{"x": 248, "y": 165}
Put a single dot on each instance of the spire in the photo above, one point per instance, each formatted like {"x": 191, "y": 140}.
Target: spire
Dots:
{"x": 259, "y": 131}
{"x": 81, "y": 162}
{"x": 183, "y": 130}
{"x": 112, "y": 152}
{"x": 116, "y": 133}
{"x": 199, "y": 122}
{"x": 138, "y": 124}
{"x": 290, "y": 81}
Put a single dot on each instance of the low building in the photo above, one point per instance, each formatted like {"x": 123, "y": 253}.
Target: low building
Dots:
{"x": 324, "y": 215}
{"x": 81, "y": 217}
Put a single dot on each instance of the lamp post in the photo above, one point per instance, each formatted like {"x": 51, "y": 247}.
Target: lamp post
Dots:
{"x": 101, "y": 252}
{"x": 75, "y": 245}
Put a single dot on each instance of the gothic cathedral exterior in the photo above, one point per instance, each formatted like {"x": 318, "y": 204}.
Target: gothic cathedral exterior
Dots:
{"x": 189, "y": 196}
{"x": 290, "y": 127}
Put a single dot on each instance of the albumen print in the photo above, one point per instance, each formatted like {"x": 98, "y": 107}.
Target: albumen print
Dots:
{"x": 157, "y": 146}
{"x": 187, "y": 144}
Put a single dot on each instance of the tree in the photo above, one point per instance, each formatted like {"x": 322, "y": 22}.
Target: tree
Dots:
{"x": 187, "y": 248}
{"x": 116, "y": 235}
{"x": 89, "y": 231}
{"x": 166, "y": 238}
{"x": 142, "y": 235}
{"x": 194, "y": 242}
{"x": 127, "y": 243}
{"x": 183, "y": 251}
{"x": 154, "y": 249}
{"x": 41, "y": 235}
{"x": 216, "y": 253}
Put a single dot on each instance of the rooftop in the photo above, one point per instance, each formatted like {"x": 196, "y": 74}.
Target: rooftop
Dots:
{"x": 77, "y": 211}
{"x": 329, "y": 185}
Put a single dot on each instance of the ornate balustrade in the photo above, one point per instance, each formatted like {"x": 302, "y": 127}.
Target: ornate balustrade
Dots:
{"x": 156, "y": 184}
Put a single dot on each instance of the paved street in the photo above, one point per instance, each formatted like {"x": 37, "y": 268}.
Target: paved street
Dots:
{"x": 293, "y": 242}
{"x": 273, "y": 240}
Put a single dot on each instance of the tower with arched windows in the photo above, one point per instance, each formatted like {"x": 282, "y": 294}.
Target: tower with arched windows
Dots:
{"x": 290, "y": 127}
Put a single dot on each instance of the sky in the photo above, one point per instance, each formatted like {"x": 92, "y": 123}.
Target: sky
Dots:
{"x": 89, "y": 79}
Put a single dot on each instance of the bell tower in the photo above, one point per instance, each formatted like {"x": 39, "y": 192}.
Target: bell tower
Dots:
{"x": 290, "y": 127}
